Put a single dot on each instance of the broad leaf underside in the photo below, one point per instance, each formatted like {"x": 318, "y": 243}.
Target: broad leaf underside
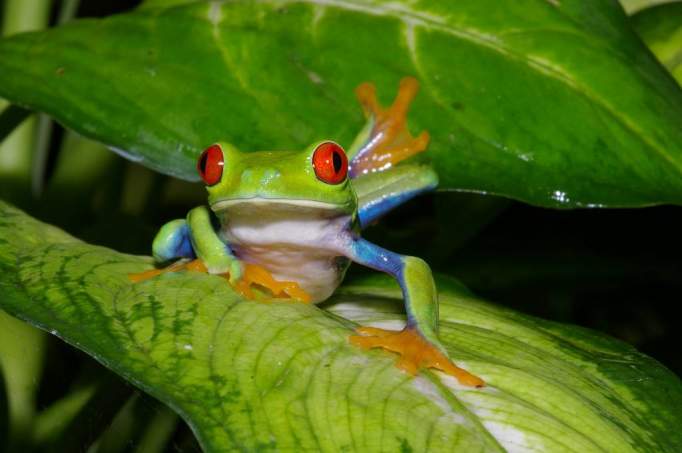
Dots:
{"x": 283, "y": 376}
{"x": 554, "y": 103}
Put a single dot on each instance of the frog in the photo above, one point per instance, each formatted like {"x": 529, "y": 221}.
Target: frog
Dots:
{"x": 289, "y": 223}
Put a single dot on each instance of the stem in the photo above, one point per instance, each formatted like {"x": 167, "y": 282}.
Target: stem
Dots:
{"x": 25, "y": 15}
{"x": 22, "y": 353}
{"x": 158, "y": 432}
{"x": 68, "y": 11}
{"x": 88, "y": 414}
{"x": 22, "y": 345}
{"x": 45, "y": 125}
{"x": 16, "y": 152}
{"x": 41, "y": 151}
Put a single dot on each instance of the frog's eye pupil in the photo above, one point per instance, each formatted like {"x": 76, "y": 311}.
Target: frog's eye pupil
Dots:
{"x": 202, "y": 162}
{"x": 336, "y": 158}
{"x": 210, "y": 165}
{"x": 330, "y": 163}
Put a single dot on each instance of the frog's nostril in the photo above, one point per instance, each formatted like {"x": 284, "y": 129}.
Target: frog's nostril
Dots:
{"x": 268, "y": 175}
{"x": 246, "y": 175}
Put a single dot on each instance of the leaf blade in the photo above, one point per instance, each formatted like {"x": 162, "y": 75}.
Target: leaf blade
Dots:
{"x": 283, "y": 376}
{"x": 559, "y": 107}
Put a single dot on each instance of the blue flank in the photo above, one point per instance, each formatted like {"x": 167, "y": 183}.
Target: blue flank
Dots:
{"x": 380, "y": 259}
{"x": 376, "y": 208}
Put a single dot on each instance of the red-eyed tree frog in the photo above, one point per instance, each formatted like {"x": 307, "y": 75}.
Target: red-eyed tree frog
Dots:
{"x": 290, "y": 222}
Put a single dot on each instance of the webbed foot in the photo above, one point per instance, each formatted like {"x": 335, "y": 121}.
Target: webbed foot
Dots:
{"x": 389, "y": 140}
{"x": 415, "y": 352}
{"x": 258, "y": 275}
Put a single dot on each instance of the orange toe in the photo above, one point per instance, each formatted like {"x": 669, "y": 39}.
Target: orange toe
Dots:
{"x": 392, "y": 141}
{"x": 253, "y": 275}
{"x": 258, "y": 275}
{"x": 146, "y": 275}
{"x": 415, "y": 352}
{"x": 194, "y": 265}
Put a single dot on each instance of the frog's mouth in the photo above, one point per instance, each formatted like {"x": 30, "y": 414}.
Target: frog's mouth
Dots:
{"x": 260, "y": 204}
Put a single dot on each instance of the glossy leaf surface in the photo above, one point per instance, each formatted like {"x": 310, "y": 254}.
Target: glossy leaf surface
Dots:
{"x": 282, "y": 376}
{"x": 553, "y": 103}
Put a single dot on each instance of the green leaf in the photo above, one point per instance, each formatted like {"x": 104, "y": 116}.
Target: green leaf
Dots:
{"x": 282, "y": 375}
{"x": 630, "y": 6}
{"x": 661, "y": 29}
{"x": 554, "y": 103}
{"x": 22, "y": 358}
{"x": 4, "y": 408}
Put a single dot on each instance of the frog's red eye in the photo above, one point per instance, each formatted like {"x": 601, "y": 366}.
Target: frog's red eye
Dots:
{"x": 210, "y": 165}
{"x": 330, "y": 163}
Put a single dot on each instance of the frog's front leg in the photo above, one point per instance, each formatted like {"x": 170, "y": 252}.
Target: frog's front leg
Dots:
{"x": 192, "y": 238}
{"x": 209, "y": 248}
{"x": 219, "y": 259}
{"x": 418, "y": 342}
{"x": 196, "y": 237}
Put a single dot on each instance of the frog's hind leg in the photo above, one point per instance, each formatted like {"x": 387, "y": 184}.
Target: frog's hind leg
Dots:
{"x": 378, "y": 193}
{"x": 417, "y": 343}
{"x": 385, "y": 140}
{"x": 171, "y": 242}
{"x": 196, "y": 243}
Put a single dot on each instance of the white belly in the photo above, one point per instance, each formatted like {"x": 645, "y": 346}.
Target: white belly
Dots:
{"x": 318, "y": 274}
{"x": 294, "y": 244}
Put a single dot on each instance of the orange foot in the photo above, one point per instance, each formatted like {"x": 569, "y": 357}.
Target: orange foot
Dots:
{"x": 415, "y": 352}
{"x": 194, "y": 265}
{"x": 390, "y": 139}
{"x": 253, "y": 274}
{"x": 258, "y": 275}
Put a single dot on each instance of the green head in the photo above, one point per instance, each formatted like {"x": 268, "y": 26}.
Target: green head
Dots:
{"x": 316, "y": 176}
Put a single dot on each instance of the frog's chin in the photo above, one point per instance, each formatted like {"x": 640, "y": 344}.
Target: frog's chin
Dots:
{"x": 278, "y": 204}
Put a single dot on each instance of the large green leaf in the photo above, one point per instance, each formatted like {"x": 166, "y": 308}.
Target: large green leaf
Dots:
{"x": 282, "y": 376}
{"x": 554, "y": 103}
{"x": 661, "y": 29}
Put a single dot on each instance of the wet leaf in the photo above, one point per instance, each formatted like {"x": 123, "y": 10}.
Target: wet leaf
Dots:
{"x": 555, "y": 103}
{"x": 282, "y": 376}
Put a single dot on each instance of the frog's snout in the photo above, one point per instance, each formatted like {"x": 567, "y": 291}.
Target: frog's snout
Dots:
{"x": 261, "y": 177}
